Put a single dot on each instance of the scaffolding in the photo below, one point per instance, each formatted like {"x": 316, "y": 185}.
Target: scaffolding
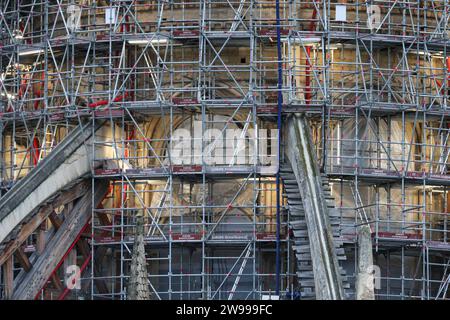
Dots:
{"x": 185, "y": 93}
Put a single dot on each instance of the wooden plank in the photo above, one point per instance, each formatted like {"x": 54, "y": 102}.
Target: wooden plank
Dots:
{"x": 23, "y": 259}
{"x": 100, "y": 253}
{"x": 8, "y": 277}
{"x": 40, "y": 240}
{"x": 84, "y": 248}
{"x": 104, "y": 218}
{"x": 24, "y": 233}
{"x": 56, "y": 280}
{"x": 72, "y": 194}
{"x": 55, "y": 220}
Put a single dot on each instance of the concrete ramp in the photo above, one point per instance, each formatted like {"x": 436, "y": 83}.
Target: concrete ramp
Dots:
{"x": 302, "y": 157}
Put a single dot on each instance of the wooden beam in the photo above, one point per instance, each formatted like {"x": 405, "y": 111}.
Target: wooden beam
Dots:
{"x": 68, "y": 208}
{"x": 56, "y": 280}
{"x": 40, "y": 240}
{"x": 103, "y": 218}
{"x": 86, "y": 235}
{"x": 42, "y": 214}
{"x": 72, "y": 194}
{"x": 8, "y": 277}
{"x": 55, "y": 220}
{"x": 24, "y": 233}
{"x": 84, "y": 248}
{"x": 72, "y": 226}
{"x": 23, "y": 260}
{"x": 100, "y": 253}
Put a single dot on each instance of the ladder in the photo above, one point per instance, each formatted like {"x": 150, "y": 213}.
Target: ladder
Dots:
{"x": 241, "y": 270}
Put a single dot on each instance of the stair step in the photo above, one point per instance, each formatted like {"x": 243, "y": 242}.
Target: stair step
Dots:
{"x": 301, "y": 242}
{"x": 306, "y": 274}
{"x": 300, "y": 233}
{"x": 304, "y": 267}
{"x": 303, "y": 257}
{"x": 307, "y": 283}
{"x": 298, "y": 224}
{"x": 290, "y": 182}
{"x": 299, "y": 227}
{"x": 302, "y": 249}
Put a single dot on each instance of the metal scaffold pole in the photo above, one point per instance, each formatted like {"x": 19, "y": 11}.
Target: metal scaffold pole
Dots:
{"x": 279, "y": 126}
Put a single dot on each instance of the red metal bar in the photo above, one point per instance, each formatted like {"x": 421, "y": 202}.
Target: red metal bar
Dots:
{"x": 37, "y": 93}
{"x": 67, "y": 290}
{"x": 308, "y": 77}
{"x": 447, "y": 62}
{"x": 122, "y": 25}
{"x": 22, "y": 29}
{"x": 105, "y": 102}
{"x": 438, "y": 83}
{"x": 70, "y": 249}
{"x": 35, "y": 151}
{"x": 23, "y": 85}
{"x": 125, "y": 187}
{"x": 65, "y": 255}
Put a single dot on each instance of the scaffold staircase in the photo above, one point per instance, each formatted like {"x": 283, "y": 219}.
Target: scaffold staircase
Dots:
{"x": 305, "y": 272}
{"x": 313, "y": 218}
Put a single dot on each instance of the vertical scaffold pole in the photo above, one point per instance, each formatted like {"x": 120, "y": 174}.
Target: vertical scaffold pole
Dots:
{"x": 279, "y": 122}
